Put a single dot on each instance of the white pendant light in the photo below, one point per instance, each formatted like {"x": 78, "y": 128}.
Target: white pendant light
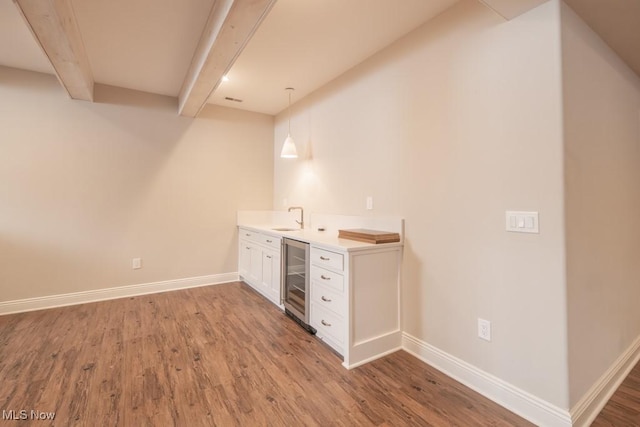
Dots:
{"x": 289, "y": 147}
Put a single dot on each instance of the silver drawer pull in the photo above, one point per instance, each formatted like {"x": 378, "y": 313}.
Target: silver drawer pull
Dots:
{"x": 323, "y": 277}
{"x": 324, "y": 259}
{"x": 325, "y": 299}
{"x": 325, "y": 323}
{"x": 269, "y": 241}
{"x": 247, "y": 247}
{"x": 269, "y": 256}
{"x": 247, "y": 234}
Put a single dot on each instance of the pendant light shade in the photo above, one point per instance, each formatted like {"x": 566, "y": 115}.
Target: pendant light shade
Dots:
{"x": 289, "y": 146}
{"x": 289, "y": 149}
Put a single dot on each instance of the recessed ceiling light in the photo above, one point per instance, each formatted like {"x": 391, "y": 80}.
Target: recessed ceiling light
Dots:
{"x": 225, "y": 78}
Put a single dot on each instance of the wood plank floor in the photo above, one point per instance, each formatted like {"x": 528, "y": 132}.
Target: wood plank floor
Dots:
{"x": 623, "y": 409}
{"x": 219, "y": 355}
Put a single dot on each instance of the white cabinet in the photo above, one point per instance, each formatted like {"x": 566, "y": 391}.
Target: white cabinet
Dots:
{"x": 355, "y": 301}
{"x": 354, "y": 290}
{"x": 270, "y": 277}
{"x": 250, "y": 265}
{"x": 259, "y": 262}
{"x": 244, "y": 258}
{"x": 328, "y": 309}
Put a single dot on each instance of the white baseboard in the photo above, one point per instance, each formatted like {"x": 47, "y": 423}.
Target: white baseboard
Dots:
{"x": 372, "y": 358}
{"x": 588, "y": 408}
{"x": 532, "y": 408}
{"x": 52, "y": 301}
{"x": 365, "y": 351}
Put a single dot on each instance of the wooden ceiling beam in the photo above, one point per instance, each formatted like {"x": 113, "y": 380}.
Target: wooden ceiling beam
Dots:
{"x": 53, "y": 24}
{"x": 510, "y": 9}
{"x": 230, "y": 26}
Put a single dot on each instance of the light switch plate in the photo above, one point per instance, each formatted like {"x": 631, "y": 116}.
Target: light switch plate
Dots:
{"x": 522, "y": 222}
{"x": 369, "y": 203}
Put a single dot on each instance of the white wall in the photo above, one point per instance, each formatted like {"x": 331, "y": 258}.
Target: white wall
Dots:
{"x": 602, "y": 178}
{"x": 85, "y": 187}
{"x": 449, "y": 127}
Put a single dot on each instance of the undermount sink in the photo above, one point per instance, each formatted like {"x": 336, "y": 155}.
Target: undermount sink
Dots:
{"x": 285, "y": 229}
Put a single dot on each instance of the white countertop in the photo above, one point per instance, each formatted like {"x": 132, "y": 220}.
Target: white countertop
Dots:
{"x": 325, "y": 239}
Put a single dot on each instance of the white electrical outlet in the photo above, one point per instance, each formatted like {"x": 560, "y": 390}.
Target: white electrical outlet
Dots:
{"x": 136, "y": 263}
{"x": 484, "y": 329}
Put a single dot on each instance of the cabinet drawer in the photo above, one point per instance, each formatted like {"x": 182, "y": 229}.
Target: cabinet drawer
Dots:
{"x": 327, "y": 324}
{"x": 327, "y": 259}
{"x": 273, "y": 242}
{"x": 327, "y": 278}
{"x": 327, "y": 298}
{"x": 249, "y": 235}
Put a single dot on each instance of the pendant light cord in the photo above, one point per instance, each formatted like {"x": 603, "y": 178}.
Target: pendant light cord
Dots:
{"x": 289, "y": 147}
{"x": 289, "y": 89}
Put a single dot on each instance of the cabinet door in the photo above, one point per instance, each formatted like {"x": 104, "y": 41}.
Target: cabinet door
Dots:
{"x": 255, "y": 267}
{"x": 271, "y": 275}
{"x": 250, "y": 262}
{"x": 275, "y": 277}
{"x": 244, "y": 259}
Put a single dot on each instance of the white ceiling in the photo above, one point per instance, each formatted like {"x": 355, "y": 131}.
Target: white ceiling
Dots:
{"x": 306, "y": 43}
{"x": 147, "y": 45}
{"x": 17, "y": 47}
{"x": 617, "y": 22}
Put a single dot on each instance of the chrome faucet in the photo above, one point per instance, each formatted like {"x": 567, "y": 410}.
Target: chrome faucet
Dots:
{"x": 301, "y": 222}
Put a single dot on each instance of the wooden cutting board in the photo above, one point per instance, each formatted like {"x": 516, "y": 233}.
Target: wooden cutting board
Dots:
{"x": 369, "y": 236}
